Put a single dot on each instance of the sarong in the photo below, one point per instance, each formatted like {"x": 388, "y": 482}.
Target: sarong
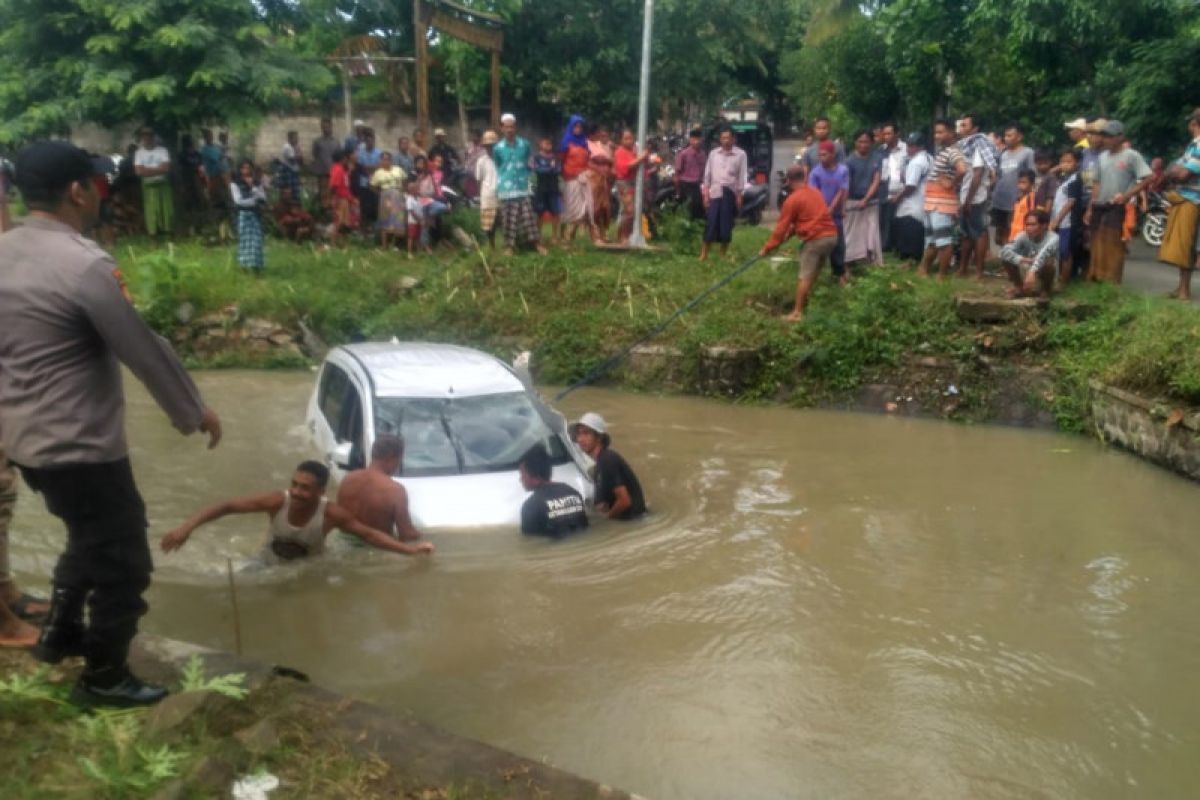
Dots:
{"x": 721, "y": 213}
{"x": 1108, "y": 250}
{"x": 1179, "y": 239}
{"x": 250, "y": 240}
{"x": 577, "y": 200}
{"x": 391, "y": 211}
{"x": 862, "y": 233}
{"x": 601, "y": 199}
{"x": 158, "y": 207}
{"x": 626, "y": 191}
{"x": 517, "y": 219}
{"x": 908, "y": 234}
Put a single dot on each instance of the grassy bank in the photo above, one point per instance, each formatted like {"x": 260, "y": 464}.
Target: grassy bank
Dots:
{"x": 575, "y": 307}
{"x": 214, "y": 732}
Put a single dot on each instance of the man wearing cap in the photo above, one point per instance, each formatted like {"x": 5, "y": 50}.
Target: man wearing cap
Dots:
{"x": 152, "y": 164}
{"x": 443, "y": 148}
{"x": 908, "y": 229}
{"x": 68, "y": 328}
{"x": 689, "y": 172}
{"x": 485, "y": 176}
{"x": 1077, "y": 132}
{"x": 552, "y": 509}
{"x": 355, "y": 137}
{"x": 1122, "y": 173}
{"x": 805, "y": 215}
{"x": 618, "y": 492}
{"x": 512, "y": 156}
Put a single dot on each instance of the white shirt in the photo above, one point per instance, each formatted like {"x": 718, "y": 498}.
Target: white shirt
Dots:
{"x": 413, "y": 205}
{"x": 893, "y": 170}
{"x": 152, "y": 158}
{"x": 985, "y": 180}
{"x": 916, "y": 173}
{"x": 485, "y": 173}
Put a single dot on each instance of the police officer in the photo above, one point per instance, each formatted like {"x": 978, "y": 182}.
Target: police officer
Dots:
{"x": 68, "y": 325}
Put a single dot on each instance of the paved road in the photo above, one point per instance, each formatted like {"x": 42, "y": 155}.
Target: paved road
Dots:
{"x": 1143, "y": 272}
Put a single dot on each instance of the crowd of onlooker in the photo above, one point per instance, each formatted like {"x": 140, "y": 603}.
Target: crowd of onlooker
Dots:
{"x": 1054, "y": 215}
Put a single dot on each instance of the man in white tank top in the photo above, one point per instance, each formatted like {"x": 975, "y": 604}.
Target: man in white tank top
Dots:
{"x": 300, "y": 518}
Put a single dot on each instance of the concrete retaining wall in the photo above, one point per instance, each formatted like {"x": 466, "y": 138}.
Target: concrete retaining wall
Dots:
{"x": 1157, "y": 431}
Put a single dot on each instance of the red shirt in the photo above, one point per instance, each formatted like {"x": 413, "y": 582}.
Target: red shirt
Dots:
{"x": 575, "y": 161}
{"x": 805, "y": 214}
{"x": 339, "y": 181}
{"x": 623, "y": 164}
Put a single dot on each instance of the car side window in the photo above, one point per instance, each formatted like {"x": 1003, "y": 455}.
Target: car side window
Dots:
{"x": 350, "y": 427}
{"x": 332, "y": 396}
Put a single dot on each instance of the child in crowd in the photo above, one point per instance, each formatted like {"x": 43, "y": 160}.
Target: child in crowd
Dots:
{"x": 1024, "y": 204}
{"x": 416, "y": 215}
{"x": 547, "y": 200}
{"x": 1067, "y": 217}
{"x": 1047, "y": 181}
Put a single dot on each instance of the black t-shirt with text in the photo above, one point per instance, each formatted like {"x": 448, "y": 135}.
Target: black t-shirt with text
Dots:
{"x": 611, "y": 472}
{"x": 553, "y": 509}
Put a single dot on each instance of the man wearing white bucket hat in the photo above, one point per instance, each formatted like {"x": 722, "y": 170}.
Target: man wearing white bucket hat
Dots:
{"x": 618, "y": 492}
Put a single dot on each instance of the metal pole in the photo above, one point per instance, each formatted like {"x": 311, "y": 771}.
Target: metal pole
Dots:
{"x": 636, "y": 239}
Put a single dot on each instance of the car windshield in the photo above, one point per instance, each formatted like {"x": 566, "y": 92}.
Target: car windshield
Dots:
{"x": 489, "y": 433}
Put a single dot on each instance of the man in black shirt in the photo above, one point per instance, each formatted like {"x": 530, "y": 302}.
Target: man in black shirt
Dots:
{"x": 554, "y": 509}
{"x": 618, "y": 492}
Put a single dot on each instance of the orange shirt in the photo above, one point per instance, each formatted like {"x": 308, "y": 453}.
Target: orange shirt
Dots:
{"x": 805, "y": 214}
{"x": 575, "y": 161}
{"x": 1021, "y": 209}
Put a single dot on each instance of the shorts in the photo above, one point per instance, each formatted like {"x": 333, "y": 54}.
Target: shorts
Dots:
{"x": 814, "y": 254}
{"x": 414, "y": 231}
{"x": 974, "y": 222}
{"x": 1001, "y": 219}
{"x": 1065, "y": 243}
{"x": 939, "y": 229}
{"x": 547, "y": 202}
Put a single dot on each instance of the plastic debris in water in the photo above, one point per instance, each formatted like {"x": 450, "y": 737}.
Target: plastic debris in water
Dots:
{"x": 951, "y": 390}
{"x": 255, "y": 787}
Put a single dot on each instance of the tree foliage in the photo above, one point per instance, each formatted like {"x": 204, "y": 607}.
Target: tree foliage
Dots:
{"x": 170, "y": 63}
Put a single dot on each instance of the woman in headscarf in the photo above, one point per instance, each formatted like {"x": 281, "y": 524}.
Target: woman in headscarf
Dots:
{"x": 600, "y": 179}
{"x": 249, "y": 199}
{"x": 577, "y": 189}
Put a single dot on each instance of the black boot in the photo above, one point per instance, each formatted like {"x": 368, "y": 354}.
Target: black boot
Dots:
{"x": 116, "y": 687}
{"x": 62, "y": 634}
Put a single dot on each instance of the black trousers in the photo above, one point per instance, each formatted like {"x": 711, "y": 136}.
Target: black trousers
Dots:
{"x": 690, "y": 194}
{"x": 107, "y": 561}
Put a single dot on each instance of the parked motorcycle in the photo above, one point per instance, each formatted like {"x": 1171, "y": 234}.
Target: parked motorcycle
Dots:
{"x": 1154, "y": 221}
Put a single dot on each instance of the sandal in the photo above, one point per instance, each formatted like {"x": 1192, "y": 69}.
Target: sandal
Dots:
{"x": 21, "y": 608}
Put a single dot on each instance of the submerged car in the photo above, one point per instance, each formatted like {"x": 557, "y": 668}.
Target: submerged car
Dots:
{"x": 466, "y": 418}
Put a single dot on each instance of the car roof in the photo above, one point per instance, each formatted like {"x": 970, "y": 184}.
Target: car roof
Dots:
{"x": 428, "y": 369}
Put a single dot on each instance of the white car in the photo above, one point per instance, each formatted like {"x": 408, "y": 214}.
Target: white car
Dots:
{"x": 466, "y": 419}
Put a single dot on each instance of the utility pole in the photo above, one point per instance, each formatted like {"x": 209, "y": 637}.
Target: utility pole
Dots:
{"x": 636, "y": 239}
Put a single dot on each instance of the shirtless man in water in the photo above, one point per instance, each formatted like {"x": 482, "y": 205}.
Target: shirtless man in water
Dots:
{"x": 300, "y": 519}
{"x": 372, "y": 496}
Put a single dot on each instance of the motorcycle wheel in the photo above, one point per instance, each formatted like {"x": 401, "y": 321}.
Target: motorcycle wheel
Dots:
{"x": 1153, "y": 228}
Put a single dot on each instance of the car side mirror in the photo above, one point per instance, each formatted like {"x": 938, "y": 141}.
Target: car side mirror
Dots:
{"x": 341, "y": 455}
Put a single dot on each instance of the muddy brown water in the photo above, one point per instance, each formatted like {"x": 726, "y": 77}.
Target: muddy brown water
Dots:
{"x": 820, "y": 604}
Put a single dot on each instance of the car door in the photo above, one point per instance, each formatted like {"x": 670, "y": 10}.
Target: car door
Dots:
{"x": 328, "y": 410}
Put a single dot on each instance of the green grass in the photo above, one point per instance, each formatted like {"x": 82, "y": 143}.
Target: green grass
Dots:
{"x": 576, "y": 307}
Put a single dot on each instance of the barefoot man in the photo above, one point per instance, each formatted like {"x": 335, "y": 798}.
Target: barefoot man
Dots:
{"x": 300, "y": 519}
{"x": 805, "y": 215}
{"x": 372, "y": 495}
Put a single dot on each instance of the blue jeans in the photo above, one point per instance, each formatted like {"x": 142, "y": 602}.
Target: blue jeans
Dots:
{"x": 432, "y": 211}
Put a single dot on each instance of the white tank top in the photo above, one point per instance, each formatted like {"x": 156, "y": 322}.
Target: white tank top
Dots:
{"x": 307, "y": 540}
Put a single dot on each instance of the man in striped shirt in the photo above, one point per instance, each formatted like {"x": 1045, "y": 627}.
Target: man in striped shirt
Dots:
{"x": 941, "y": 199}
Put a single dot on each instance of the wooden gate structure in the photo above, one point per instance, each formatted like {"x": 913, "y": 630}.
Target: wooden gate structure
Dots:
{"x": 470, "y": 25}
